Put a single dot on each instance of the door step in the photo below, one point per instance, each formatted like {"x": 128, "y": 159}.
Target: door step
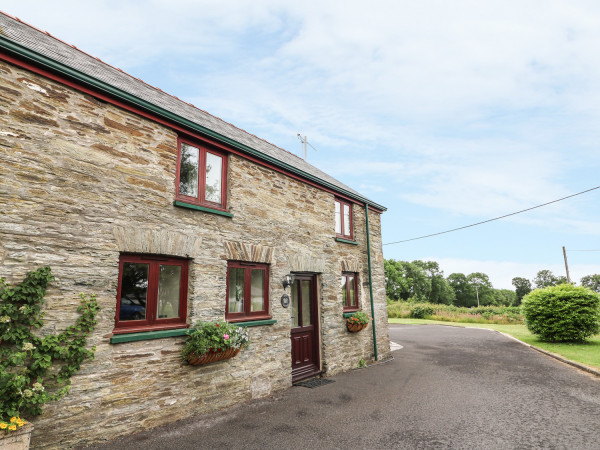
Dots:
{"x": 314, "y": 382}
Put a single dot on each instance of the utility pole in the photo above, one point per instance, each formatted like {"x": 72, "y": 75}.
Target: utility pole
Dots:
{"x": 477, "y": 292}
{"x": 566, "y": 265}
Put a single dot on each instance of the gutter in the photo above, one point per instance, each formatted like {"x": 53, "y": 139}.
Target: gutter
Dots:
{"x": 371, "y": 281}
{"x": 55, "y": 66}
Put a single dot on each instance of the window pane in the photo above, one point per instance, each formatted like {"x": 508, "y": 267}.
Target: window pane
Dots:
{"x": 213, "y": 177}
{"x": 294, "y": 295}
{"x": 188, "y": 174}
{"x": 347, "y": 220}
{"x": 134, "y": 291}
{"x": 338, "y": 218}
{"x": 351, "y": 293}
{"x": 257, "y": 291}
{"x": 306, "y": 318}
{"x": 344, "y": 291}
{"x": 236, "y": 290}
{"x": 169, "y": 284}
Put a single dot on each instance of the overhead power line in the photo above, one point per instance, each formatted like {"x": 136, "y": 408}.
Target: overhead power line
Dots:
{"x": 498, "y": 218}
{"x": 583, "y": 250}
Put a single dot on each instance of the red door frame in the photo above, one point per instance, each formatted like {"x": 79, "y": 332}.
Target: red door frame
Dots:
{"x": 306, "y": 342}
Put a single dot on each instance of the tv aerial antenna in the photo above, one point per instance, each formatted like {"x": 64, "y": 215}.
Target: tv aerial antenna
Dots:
{"x": 305, "y": 143}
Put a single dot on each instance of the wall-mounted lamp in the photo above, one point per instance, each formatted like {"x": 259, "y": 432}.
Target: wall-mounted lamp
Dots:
{"x": 288, "y": 280}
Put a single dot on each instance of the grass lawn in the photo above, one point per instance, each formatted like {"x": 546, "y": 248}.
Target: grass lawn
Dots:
{"x": 585, "y": 353}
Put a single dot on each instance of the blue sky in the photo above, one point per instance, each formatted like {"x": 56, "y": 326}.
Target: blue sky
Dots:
{"x": 448, "y": 113}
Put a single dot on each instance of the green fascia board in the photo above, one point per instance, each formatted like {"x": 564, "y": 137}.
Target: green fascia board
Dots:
{"x": 202, "y": 208}
{"x": 148, "y": 335}
{"x": 346, "y": 241}
{"x": 255, "y": 323}
{"x": 56, "y": 66}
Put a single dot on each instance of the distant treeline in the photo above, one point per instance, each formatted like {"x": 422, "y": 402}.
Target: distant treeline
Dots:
{"x": 424, "y": 281}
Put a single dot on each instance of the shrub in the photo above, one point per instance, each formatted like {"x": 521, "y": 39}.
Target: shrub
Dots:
{"x": 562, "y": 313}
{"x": 36, "y": 368}
{"x": 420, "y": 312}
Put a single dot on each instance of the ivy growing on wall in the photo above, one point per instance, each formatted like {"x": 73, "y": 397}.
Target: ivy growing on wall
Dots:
{"x": 35, "y": 369}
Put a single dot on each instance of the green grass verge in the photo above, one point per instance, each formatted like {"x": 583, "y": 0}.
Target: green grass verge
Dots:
{"x": 587, "y": 353}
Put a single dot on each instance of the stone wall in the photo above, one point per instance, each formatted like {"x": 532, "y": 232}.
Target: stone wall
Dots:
{"x": 82, "y": 181}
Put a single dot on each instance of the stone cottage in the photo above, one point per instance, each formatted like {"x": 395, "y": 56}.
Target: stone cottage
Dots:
{"x": 106, "y": 179}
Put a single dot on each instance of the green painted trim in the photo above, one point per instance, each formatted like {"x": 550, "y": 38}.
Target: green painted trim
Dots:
{"x": 202, "y": 208}
{"x": 348, "y": 314}
{"x": 346, "y": 241}
{"x": 55, "y": 66}
{"x": 255, "y": 323}
{"x": 148, "y": 335}
{"x": 371, "y": 282}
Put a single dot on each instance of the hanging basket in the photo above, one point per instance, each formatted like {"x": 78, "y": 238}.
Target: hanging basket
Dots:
{"x": 356, "y": 327}
{"x": 212, "y": 356}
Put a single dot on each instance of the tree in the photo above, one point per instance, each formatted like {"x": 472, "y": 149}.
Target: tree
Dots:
{"x": 545, "y": 278}
{"x": 406, "y": 280}
{"x": 441, "y": 291}
{"x": 504, "y": 297}
{"x": 522, "y": 288}
{"x": 483, "y": 288}
{"x": 591, "y": 282}
{"x": 464, "y": 292}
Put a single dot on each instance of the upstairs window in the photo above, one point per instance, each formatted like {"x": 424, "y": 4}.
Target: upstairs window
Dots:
{"x": 201, "y": 175}
{"x": 247, "y": 291}
{"x": 343, "y": 219}
{"x": 152, "y": 293}
{"x": 350, "y": 291}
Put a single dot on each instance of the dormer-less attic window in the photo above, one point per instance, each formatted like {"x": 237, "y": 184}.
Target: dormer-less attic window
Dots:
{"x": 201, "y": 175}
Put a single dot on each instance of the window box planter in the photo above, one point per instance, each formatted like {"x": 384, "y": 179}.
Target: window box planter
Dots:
{"x": 18, "y": 439}
{"x": 212, "y": 356}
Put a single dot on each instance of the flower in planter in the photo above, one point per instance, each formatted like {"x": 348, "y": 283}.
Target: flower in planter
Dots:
{"x": 12, "y": 425}
{"x": 211, "y": 336}
{"x": 358, "y": 318}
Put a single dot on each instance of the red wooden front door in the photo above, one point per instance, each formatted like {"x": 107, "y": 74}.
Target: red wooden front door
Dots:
{"x": 305, "y": 330}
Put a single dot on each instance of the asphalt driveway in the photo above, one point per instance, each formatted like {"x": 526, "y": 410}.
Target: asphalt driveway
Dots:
{"x": 447, "y": 387}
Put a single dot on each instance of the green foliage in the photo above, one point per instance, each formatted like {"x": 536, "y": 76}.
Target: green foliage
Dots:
{"x": 405, "y": 280}
{"x": 545, "y": 278}
{"x": 215, "y": 336}
{"x": 522, "y": 288}
{"x": 591, "y": 282}
{"x": 562, "y": 313}
{"x": 36, "y": 369}
{"x": 362, "y": 363}
{"x": 450, "y": 313}
{"x": 421, "y": 312}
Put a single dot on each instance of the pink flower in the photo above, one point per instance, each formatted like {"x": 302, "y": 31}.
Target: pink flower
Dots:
{"x": 225, "y": 336}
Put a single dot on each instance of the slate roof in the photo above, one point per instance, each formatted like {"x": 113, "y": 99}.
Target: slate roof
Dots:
{"x": 58, "y": 51}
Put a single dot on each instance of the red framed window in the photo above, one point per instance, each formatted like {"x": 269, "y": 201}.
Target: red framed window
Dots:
{"x": 350, "y": 291}
{"x": 152, "y": 293}
{"x": 247, "y": 291}
{"x": 343, "y": 219}
{"x": 201, "y": 175}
